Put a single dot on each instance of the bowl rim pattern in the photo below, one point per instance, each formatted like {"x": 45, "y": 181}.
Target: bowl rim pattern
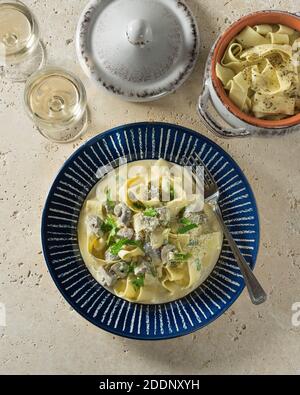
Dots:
{"x": 184, "y": 316}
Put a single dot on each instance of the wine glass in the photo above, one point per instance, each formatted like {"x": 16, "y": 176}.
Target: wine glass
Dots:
{"x": 21, "y": 51}
{"x": 56, "y": 101}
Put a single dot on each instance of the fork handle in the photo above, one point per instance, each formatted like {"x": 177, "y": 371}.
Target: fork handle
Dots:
{"x": 256, "y": 292}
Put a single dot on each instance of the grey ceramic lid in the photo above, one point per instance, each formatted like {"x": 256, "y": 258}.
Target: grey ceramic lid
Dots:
{"x": 139, "y": 50}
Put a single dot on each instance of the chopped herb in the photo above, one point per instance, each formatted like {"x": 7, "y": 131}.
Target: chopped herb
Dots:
{"x": 138, "y": 282}
{"x": 110, "y": 226}
{"x": 151, "y": 212}
{"x": 117, "y": 247}
{"x": 110, "y": 203}
{"x": 198, "y": 264}
{"x": 188, "y": 226}
{"x": 131, "y": 268}
{"x": 185, "y": 221}
{"x": 181, "y": 213}
{"x": 180, "y": 257}
{"x": 139, "y": 206}
{"x": 172, "y": 192}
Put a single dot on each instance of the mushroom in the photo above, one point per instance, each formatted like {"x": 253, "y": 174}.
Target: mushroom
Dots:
{"x": 104, "y": 278}
{"x": 109, "y": 257}
{"x": 123, "y": 213}
{"x": 141, "y": 269}
{"x": 164, "y": 215}
{"x": 152, "y": 253}
{"x": 139, "y": 236}
{"x": 145, "y": 267}
{"x": 126, "y": 233}
{"x": 94, "y": 224}
{"x": 109, "y": 207}
{"x": 120, "y": 269}
{"x": 195, "y": 218}
{"x": 149, "y": 224}
{"x": 167, "y": 253}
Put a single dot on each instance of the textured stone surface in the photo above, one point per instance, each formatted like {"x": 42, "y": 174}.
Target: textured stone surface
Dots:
{"x": 43, "y": 334}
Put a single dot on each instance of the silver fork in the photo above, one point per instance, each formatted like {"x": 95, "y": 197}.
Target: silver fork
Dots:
{"x": 212, "y": 195}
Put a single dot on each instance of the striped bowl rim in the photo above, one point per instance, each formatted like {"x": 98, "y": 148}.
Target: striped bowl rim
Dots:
{"x": 147, "y": 322}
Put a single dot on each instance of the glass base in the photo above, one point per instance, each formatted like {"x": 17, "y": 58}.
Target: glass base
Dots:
{"x": 20, "y": 72}
{"x": 69, "y": 134}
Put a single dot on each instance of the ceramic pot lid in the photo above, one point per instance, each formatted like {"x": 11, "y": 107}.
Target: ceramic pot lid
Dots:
{"x": 139, "y": 50}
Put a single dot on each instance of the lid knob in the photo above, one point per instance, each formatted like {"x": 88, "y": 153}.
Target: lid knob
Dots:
{"x": 139, "y": 33}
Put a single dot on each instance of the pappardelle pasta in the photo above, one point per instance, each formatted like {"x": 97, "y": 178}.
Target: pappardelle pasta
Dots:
{"x": 154, "y": 243}
{"x": 260, "y": 71}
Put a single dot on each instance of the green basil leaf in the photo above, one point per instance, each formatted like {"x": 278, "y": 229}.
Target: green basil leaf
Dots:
{"x": 117, "y": 247}
{"x": 180, "y": 257}
{"x": 151, "y": 212}
{"x": 109, "y": 201}
{"x": 187, "y": 228}
{"x": 138, "y": 282}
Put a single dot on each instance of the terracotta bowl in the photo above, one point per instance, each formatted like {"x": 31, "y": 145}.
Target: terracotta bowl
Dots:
{"x": 261, "y": 17}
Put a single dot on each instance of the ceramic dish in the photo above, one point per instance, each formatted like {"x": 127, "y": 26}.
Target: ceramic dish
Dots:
{"x": 139, "y": 50}
{"x": 240, "y": 123}
{"x": 60, "y": 244}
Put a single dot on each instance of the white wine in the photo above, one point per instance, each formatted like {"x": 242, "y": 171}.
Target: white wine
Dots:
{"x": 21, "y": 52}
{"x": 17, "y": 30}
{"x": 56, "y": 101}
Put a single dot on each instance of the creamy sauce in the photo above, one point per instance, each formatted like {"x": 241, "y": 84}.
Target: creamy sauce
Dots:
{"x": 203, "y": 250}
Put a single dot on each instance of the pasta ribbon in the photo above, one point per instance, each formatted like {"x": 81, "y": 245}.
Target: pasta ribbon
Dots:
{"x": 259, "y": 73}
{"x": 145, "y": 249}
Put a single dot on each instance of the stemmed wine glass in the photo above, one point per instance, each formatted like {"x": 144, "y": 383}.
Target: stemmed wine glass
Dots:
{"x": 56, "y": 101}
{"x": 21, "y": 51}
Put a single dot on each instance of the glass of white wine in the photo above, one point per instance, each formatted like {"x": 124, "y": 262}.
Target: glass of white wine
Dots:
{"x": 56, "y": 101}
{"x": 21, "y": 51}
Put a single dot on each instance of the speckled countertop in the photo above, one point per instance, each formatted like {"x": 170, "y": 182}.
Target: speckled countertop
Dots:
{"x": 43, "y": 334}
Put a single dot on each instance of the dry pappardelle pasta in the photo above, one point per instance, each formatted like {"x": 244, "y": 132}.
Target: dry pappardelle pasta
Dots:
{"x": 259, "y": 70}
{"x": 154, "y": 243}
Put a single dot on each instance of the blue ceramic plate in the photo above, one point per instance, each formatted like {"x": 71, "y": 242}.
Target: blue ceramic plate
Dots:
{"x": 90, "y": 299}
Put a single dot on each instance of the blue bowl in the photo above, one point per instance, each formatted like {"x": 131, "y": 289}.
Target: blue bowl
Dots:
{"x": 60, "y": 244}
